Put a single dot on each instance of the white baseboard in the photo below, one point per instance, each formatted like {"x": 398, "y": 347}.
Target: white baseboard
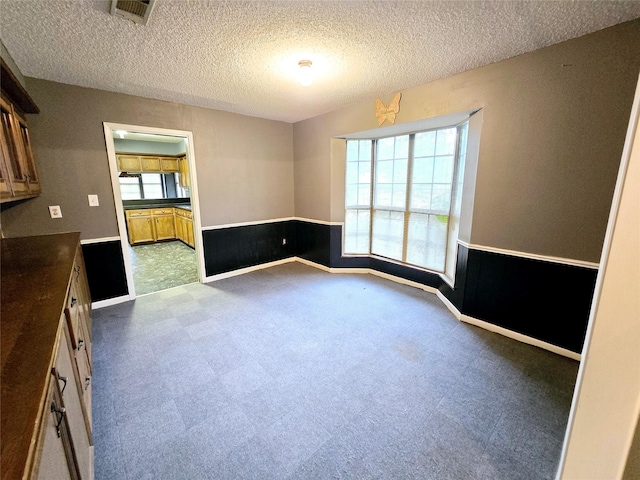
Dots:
{"x": 520, "y": 337}
{"x": 454, "y": 311}
{"x": 110, "y": 301}
{"x": 242, "y": 271}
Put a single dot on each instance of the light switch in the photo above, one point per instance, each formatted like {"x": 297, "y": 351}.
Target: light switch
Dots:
{"x": 93, "y": 201}
{"x": 54, "y": 211}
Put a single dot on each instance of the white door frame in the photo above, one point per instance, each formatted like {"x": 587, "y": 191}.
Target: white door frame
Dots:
{"x": 109, "y": 128}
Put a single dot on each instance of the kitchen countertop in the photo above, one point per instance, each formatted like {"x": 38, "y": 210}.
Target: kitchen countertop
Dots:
{"x": 184, "y": 206}
{"x": 35, "y": 278}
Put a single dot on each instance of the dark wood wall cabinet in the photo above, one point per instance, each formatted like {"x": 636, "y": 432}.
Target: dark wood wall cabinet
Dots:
{"x": 45, "y": 336}
{"x": 18, "y": 171}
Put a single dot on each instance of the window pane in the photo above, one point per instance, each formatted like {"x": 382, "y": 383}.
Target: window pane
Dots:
{"x": 425, "y": 144}
{"x": 402, "y": 147}
{"x": 152, "y": 185}
{"x": 420, "y": 196}
{"x": 364, "y": 194}
{"x": 365, "y": 150}
{"x": 423, "y": 170}
{"x": 356, "y": 231}
{"x": 441, "y": 198}
{"x": 383, "y": 195}
{"x": 129, "y": 188}
{"x": 385, "y": 148}
{"x": 399, "y": 196}
{"x": 352, "y": 173}
{"x": 400, "y": 171}
{"x": 443, "y": 169}
{"x": 352, "y": 151}
{"x": 385, "y": 171}
{"x": 426, "y": 241}
{"x": 388, "y": 228}
{"x": 364, "y": 174}
{"x": 446, "y": 141}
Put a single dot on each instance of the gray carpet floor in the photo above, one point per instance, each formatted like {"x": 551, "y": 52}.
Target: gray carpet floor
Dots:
{"x": 294, "y": 373}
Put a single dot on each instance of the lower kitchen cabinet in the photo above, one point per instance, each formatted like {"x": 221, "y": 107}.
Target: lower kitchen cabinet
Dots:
{"x": 46, "y": 381}
{"x": 140, "y": 227}
{"x": 184, "y": 226}
{"x": 148, "y": 225}
{"x": 164, "y": 224}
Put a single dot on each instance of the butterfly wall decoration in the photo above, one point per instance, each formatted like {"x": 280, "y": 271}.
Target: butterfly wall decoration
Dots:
{"x": 388, "y": 112}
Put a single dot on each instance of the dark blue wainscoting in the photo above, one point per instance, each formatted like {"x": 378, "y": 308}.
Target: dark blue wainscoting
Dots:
{"x": 232, "y": 248}
{"x": 105, "y": 270}
{"x": 544, "y": 300}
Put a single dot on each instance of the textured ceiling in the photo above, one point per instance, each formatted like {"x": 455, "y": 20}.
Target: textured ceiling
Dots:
{"x": 240, "y": 56}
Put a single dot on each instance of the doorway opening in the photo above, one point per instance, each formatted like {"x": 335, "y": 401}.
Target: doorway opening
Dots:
{"x": 154, "y": 186}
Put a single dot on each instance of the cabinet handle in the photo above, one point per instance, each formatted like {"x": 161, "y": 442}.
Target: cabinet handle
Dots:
{"x": 59, "y": 411}
{"x": 62, "y": 379}
{"x": 87, "y": 382}
{"x": 74, "y": 300}
{"x": 80, "y": 343}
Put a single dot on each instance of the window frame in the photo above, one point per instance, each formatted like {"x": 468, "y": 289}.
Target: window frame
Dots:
{"x": 455, "y": 185}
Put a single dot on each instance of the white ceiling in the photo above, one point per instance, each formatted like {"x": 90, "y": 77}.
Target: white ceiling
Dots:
{"x": 240, "y": 56}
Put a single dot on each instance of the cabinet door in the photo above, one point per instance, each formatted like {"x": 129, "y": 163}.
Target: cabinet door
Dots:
{"x": 180, "y": 228}
{"x": 5, "y": 183}
{"x": 150, "y": 164}
{"x": 190, "y": 241}
{"x": 26, "y": 154}
{"x": 140, "y": 229}
{"x": 169, "y": 164}
{"x": 82, "y": 359}
{"x": 55, "y": 450}
{"x": 13, "y": 163}
{"x": 165, "y": 227}
{"x": 184, "y": 172}
{"x": 72, "y": 403}
{"x": 128, "y": 163}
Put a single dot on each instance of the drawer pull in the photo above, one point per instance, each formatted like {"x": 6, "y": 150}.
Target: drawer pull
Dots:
{"x": 80, "y": 343}
{"x": 59, "y": 411}
{"x": 62, "y": 379}
{"x": 74, "y": 301}
{"x": 87, "y": 382}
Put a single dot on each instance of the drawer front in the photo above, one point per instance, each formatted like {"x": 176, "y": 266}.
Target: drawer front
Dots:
{"x": 163, "y": 211}
{"x": 183, "y": 213}
{"x": 138, "y": 213}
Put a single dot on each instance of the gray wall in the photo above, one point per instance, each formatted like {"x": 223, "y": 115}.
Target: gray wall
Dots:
{"x": 244, "y": 164}
{"x": 552, "y": 137}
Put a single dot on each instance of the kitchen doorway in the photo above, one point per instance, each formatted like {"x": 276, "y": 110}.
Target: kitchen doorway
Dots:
{"x": 154, "y": 186}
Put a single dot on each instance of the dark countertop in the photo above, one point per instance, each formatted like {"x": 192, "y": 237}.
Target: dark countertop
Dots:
{"x": 35, "y": 277}
{"x": 184, "y": 206}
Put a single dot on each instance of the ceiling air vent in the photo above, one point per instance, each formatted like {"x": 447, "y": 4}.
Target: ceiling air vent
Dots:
{"x": 137, "y": 11}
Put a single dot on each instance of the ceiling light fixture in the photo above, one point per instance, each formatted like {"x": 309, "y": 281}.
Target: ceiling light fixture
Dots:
{"x": 305, "y": 74}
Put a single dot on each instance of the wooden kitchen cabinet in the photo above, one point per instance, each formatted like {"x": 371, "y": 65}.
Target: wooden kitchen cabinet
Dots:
{"x": 45, "y": 430}
{"x": 147, "y": 225}
{"x": 147, "y": 163}
{"x": 184, "y": 226}
{"x": 129, "y": 163}
{"x": 164, "y": 223}
{"x": 18, "y": 171}
{"x": 139, "y": 226}
{"x": 184, "y": 172}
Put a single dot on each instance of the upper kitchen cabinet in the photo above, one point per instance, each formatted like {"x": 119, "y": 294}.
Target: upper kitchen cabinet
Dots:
{"x": 133, "y": 163}
{"x": 18, "y": 171}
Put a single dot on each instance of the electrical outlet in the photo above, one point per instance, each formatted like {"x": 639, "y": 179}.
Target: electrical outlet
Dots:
{"x": 93, "y": 201}
{"x": 284, "y": 241}
{"x": 54, "y": 211}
